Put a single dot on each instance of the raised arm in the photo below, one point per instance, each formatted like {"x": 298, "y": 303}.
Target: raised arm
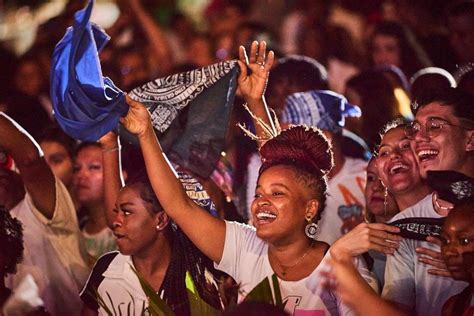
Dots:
{"x": 254, "y": 72}
{"x": 155, "y": 36}
{"x": 35, "y": 172}
{"x": 204, "y": 230}
{"x": 112, "y": 172}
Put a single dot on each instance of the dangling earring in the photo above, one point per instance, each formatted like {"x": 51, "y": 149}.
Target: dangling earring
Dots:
{"x": 312, "y": 229}
{"x": 385, "y": 201}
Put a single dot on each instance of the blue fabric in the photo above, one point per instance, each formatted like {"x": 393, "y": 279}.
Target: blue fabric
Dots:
{"x": 86, "y": 104}
{"x": 320, "y": 108}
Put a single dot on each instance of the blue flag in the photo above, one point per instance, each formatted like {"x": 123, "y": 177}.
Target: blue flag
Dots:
{"x": 86, "y": 104}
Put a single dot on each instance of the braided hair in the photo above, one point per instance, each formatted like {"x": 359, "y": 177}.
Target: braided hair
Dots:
{"x": 185, "y": 257}
{"x": 308, "y": 152}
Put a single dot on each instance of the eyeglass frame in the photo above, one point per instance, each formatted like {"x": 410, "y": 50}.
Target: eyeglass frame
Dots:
{"x": 429, "y": 131}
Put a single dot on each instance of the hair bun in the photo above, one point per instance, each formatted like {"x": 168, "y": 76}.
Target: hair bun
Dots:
{"x": 299, "y": 145}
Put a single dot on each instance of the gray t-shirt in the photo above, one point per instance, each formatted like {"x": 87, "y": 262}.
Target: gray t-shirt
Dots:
{"x": 407, "y": 281}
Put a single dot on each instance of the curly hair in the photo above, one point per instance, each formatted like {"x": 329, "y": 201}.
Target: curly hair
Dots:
{"x": 11, "y": 240}
{"x": 308, "y": 152}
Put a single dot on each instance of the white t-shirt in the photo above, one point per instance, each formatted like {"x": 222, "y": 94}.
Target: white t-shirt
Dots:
{"x": 117, "y": 285}
{"x": 407, "y": 281}
{"x": 245, "y": 258}
{"x": 99, "y": 243}
{"x": 345, "y": 202}
{"x": 54, "y": 253}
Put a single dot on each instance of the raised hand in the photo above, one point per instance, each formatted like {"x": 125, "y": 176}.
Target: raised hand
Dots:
{"x": 375, "y": 236}
{"x": 137, "y": 121}
{"x": 433, "y": 258}
{"x": 252, "y": 84}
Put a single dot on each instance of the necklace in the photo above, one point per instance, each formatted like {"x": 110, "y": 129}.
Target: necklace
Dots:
{"x": 285, "y": 268}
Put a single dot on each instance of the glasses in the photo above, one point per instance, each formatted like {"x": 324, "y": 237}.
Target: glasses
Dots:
{"x": 432, "y": 128}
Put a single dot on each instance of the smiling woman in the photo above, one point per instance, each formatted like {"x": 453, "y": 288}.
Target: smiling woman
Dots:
{"x": 397, "y": 167}
{"x": 283, "y": 248}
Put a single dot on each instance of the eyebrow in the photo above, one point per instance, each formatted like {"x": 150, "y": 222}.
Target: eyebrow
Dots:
{"x": 276, "y": 185}
{"x": 125, "y": 204}
{"x": 433, "y": 118}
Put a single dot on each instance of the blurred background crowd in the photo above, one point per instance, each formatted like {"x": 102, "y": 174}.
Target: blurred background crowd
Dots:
{"x": 382, "y": 55}
{"x": 379, "y": 54}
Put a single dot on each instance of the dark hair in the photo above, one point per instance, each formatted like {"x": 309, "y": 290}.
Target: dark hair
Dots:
{"x": 185, "y": 257}
{"x": 11, "y": 240}
{"x": 459, "y": 8}
{"x": 412, "y": 55}
{"x": 147, "y": 194}
{"x": 304, "y": 72}
{"x": 430, "y": 78}
{"x": 308, "y": 152}
{"x": 85, "y": 145}
{"x": 378, "y": 102}
{"x": 55, "y": 134}
{"x": 399, "y": 122}
{"x": 460, "y": 101}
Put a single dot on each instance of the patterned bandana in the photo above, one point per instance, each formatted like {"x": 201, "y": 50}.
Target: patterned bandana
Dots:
{"x": 451, "y": 186}
{"x": 419, "y": 228}
{"x": 190, "y": 112}
{"x": 319, "y": 108}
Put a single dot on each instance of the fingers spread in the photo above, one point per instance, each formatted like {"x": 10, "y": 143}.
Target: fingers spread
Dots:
{"x": 262, "y": 47}
{"x": 243, "y": 69}
{"x": 269, "y": 61}
{"x": 253, "y": 52}
{"x": 243, "y": 55}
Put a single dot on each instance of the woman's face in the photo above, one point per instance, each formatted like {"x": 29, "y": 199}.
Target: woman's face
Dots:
{"x": 88, "y": 176}
{"x": 375, "y": 194}
{"x": 396, "y": 164}
{"x": 385, "y": 50}
{"x": 280, "y": 205}
{"x": 59, "y": 160}
{"x": 134, "y": 224}
{"x": 458, "y": 243}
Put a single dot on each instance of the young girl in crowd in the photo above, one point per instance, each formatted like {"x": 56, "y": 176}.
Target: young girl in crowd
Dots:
{"x": 457, "y": 249}
{"x": 89, "y": 193}
{"x": 290, "y": 196}
{"x": 149, "y": 243}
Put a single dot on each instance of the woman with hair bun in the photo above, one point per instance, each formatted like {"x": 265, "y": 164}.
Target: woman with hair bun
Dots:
{"x": 290, "y": 196}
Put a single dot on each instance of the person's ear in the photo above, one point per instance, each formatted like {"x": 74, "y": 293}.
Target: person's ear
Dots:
{"x": 312, "y": 208}
{"x": 162, "y": 220}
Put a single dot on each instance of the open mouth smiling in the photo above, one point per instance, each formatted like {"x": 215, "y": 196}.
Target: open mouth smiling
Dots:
{"x": 398, "y": 167}
{"x": 264, "y": 217}
{"x": 427, "y": 154}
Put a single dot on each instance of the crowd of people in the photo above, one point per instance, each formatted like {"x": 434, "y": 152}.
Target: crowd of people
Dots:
{"x": 345, "y": 185}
